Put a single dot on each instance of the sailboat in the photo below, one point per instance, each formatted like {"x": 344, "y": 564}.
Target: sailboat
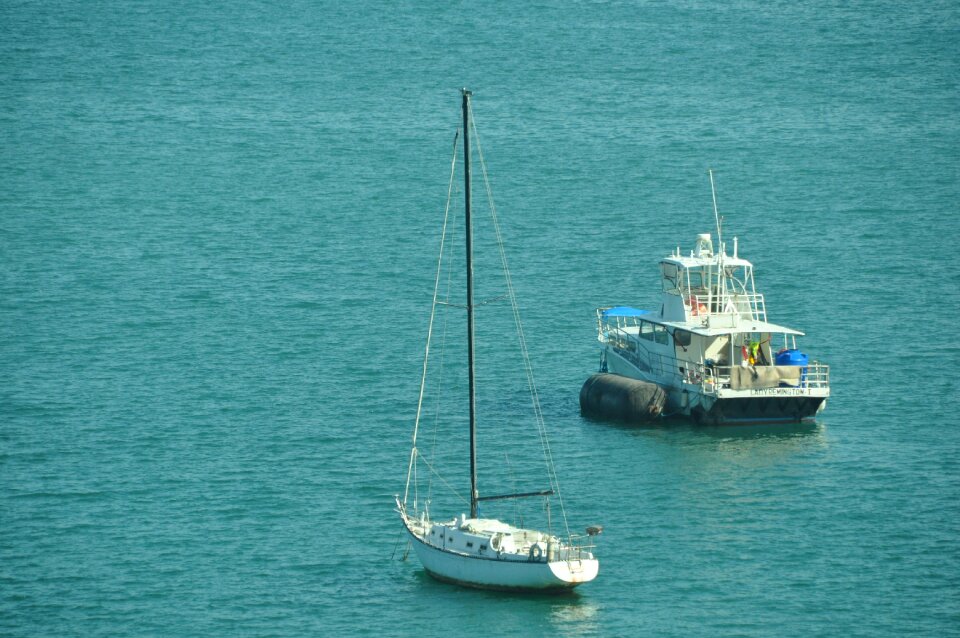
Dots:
{"x": 488, "y": 553}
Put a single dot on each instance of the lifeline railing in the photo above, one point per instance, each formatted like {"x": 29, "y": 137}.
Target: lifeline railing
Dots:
{"x": 576, "y": 547}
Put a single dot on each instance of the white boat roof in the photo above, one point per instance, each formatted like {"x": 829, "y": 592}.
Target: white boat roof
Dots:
{"x": 745, "y": 325}
{"x": 687, "y": 261}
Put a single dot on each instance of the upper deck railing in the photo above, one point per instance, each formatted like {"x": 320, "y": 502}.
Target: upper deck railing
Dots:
{"x": 748, "y": 305}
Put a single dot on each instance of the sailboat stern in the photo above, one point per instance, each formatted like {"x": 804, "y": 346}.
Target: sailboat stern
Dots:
{"x": 575, "y": 572}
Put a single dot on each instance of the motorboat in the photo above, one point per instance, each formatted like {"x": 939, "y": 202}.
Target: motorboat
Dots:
{"x": 710, "y": 345}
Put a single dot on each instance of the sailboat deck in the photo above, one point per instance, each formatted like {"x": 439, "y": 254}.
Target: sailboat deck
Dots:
{"x": 491, "y": 526}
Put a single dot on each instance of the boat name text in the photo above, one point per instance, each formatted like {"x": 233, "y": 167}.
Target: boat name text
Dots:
{"x": 779, "y": 392}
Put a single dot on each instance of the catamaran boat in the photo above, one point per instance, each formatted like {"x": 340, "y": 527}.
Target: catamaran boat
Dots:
{"x": 710, "y": 346}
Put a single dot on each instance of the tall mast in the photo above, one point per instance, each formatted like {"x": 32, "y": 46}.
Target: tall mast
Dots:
{"x": 474, "y": 494}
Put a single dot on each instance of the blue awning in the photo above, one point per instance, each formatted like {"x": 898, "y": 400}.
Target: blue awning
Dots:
{"x": 624, "y": 311}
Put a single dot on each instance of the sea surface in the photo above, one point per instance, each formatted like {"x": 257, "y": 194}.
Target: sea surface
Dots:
{"x": 219, "y": 227}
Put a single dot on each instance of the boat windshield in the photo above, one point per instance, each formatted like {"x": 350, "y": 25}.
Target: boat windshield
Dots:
{"x": 736, "y": 278}
{"x": 704, "y": 280}
{"x": 671, "y": 274}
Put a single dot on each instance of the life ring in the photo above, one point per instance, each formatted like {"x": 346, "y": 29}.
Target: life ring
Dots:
{"x": 696, "y": 308}
{"x": 536, "y": 553}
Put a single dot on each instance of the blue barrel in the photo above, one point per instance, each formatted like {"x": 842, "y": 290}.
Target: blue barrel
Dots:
{"x": 794, "y": 357}
{"x": 791, "y": 358}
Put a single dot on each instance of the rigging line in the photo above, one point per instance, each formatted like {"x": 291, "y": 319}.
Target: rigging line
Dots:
{"x": 441, "y": 368}
{"x": 476, "y": 304}
{"x": 433, "y": 312}
{"x": 444, "y": 481}
{"x": 397, "y": 544}
{"x": 510, "y": 289}
{"x": 443, "y": 348}
{"x": 528, "y": 368}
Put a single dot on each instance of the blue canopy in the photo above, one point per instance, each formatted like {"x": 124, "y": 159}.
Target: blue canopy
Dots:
{"x": 624, "y": 311}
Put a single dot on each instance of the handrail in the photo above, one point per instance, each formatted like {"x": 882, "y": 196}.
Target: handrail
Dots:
{"x": 571, "y": 548}
{"x": 655, "y": 362}
{"x": 747, "y": 305}
{"x": 634, "y": 349}
{"x": 814, "y": 375}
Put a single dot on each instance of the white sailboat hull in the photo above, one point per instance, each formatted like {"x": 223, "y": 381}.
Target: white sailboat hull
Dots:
{"x": 502, "y": 574}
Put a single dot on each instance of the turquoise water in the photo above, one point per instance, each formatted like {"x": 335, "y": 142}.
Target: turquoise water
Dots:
{"x": 218, "y": 238}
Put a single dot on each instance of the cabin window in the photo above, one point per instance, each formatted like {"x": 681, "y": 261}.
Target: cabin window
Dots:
{"x": 660, "y": 333}
{"x": 469, "y": 544}
{"x": 697, "y": 281}
{"x": 483, "y": 547}
{"x": 646, "y": 330}
{"x": 682, "y": 338}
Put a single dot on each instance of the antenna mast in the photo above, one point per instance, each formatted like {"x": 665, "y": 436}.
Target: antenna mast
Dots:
{"x": 716, "y": 215}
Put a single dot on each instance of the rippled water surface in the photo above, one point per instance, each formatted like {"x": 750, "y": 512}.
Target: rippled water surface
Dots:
{"x": 218, "y": 238}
